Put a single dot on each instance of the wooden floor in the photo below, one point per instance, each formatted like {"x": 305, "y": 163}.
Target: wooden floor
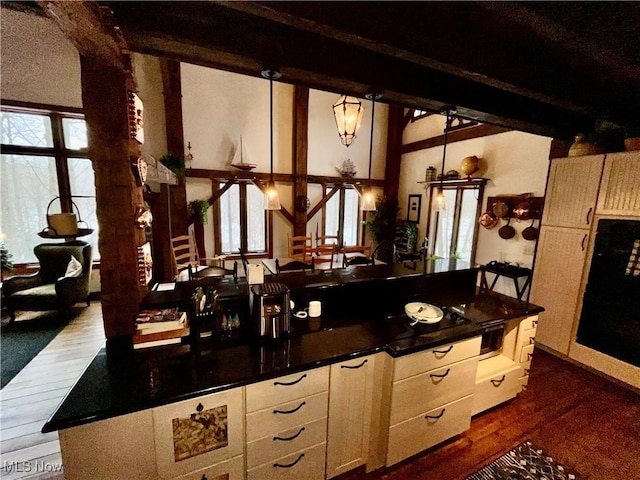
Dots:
{"x": 28, "y": 400}
{"x": 581, "y": 419}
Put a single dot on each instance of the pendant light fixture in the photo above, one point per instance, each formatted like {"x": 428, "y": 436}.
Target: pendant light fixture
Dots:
{"x": 271, "y": 197}
{"x": 441, "y": 201}
{"x": 348, "y": 113}
{"x": 368, "y": 200}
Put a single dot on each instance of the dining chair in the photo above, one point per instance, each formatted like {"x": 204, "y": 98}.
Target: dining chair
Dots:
{"x": 294, "y": 265}
{"x": 299, "y": 246}
{"x": 385, "y": 252}
{"x": 324, "y": 255}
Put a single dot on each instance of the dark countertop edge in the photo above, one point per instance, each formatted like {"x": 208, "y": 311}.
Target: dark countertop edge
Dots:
{"x": 383, "y": 346}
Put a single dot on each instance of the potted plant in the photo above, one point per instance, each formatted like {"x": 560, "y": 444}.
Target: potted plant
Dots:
{"x": 198, "y": 209}
{"x": 412, "y": 236}
{"x": 382, "y": 221}
{"x": 174, "y": 163}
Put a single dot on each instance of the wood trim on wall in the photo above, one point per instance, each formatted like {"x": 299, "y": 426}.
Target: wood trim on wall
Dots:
{"x": 483, "y": 130}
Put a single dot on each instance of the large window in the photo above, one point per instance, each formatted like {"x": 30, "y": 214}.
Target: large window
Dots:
{"x": 243, "y": 222}
{"x": 342, "y": 216}
{"x": 44, "y": 156}
{"x": 453, "y": 229}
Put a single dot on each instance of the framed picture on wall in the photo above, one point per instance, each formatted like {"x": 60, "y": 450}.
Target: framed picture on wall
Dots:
{"x": 413, "y": 208}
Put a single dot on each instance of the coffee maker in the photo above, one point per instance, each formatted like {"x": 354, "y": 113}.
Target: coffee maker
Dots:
{"x": 270, "y": 311}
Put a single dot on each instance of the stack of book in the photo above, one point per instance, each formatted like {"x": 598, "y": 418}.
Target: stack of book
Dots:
{"x": 160, "y": 327}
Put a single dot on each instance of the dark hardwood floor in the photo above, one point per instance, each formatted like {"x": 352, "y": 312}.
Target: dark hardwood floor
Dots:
{"x": 584, "y": 421}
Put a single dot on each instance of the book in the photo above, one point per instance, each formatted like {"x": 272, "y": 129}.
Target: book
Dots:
{"x": 160, "y": 327}
{"x": 145, "y": 328}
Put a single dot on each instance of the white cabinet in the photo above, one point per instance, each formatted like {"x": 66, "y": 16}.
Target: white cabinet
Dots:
{"x": 350, "y": 399}
{"x": 286, "y": 426}
{"x": 199, "y": 433}
{"x": 620, "y": 190}
{"x": 497, "y": 380}
{"x": 432, "y": 397}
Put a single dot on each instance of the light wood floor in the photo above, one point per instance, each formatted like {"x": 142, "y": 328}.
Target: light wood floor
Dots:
{"x": 582, "y": 419}
{"x": 28, "y": 400}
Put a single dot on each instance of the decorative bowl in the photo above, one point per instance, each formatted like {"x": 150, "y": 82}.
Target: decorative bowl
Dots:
{"x": 423, "y": 312}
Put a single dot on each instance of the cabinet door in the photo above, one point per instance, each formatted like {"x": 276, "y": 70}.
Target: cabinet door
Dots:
{"x": 556, "y": 283}
{"x": 572, "y": 191}
{"x": 350, "y": 397}
{"x": 620, "y": 191}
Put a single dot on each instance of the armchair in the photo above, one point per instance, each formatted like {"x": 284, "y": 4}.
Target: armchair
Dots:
{"x": 49, "y": 288}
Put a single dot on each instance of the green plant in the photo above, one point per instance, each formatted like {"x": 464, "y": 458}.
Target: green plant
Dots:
{"x": 382, "y": 221}
{"x": 412, "y": 236}
{"x": 7, "y": 264}
{"x": 174, "y": 163}
{"x": 198, "y": 208}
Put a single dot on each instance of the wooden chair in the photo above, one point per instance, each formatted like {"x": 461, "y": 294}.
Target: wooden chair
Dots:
{"x": 185, "y": 253}
{"x": 294, "y": 265}
{"x": 324, "y": 255}
{"x": 385, "y": 252}
{"x": 327, "y": 240}
{"x": 356, "y": 255}
{"x": 299, "y": 247}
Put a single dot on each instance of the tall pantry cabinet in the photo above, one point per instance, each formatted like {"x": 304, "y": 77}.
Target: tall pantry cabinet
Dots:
{"x": 580, "y": 192}
{"x": 570, "y": 203}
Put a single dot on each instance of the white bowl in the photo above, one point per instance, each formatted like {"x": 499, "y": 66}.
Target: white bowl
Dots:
{"x": 421, "y": 312}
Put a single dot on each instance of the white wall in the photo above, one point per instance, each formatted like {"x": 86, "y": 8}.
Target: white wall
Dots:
{"x": 39, "y": 64}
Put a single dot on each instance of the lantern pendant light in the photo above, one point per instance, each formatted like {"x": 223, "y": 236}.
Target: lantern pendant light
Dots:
{"x": 271, "y": 197}
{"x": 348, "y": 113}
{"x": 441, "y": 201}
{"x": 368, "y": 200}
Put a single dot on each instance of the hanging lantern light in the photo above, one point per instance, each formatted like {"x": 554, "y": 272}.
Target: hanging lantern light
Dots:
{"x": 271, "y": 197}
{"x": 348, "y": 113}
{"x": 368, "y": 200}
{"x": 441, "y": 201}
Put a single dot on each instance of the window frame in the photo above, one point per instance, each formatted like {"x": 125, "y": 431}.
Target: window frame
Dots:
{"x": 59, "y": 152}
{"x": 341, "y": 212}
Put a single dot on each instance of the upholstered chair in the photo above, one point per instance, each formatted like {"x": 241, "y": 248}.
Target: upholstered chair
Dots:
{"x": 59, "y": 283}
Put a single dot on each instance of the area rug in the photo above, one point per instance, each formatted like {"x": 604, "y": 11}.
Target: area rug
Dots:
{"x": 525, "y": 462}
{"x": 22, "y": 340}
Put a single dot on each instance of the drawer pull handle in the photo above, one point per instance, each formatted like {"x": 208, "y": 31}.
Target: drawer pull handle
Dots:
{"x": 204, "y": 477}
{"x": 288, "y": 439}
{"x": 526, "y": 371}
{"x": 529, "y": 356}
{"x": 589, "y": 215}
{"x": 433, "y": 375}
{"x": 582, "y": 242}
{"x": 289, "y": 465}
{"x": 443, "y": 352}
{"x": 288, "y": 384}
{"x": 435, "y": 417}
{"x": 199, "y": 408}
{"x": 534, "y": 323}
{"x": 524, "y": 387}
{"x": 497, "y": 383}
{"x": 286, "y": 412}
{"x": 531, "y": 340}
{"x": 354, "y": 366}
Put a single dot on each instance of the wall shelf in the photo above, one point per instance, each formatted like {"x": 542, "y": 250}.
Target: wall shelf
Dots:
{"x": 459, "y": 182}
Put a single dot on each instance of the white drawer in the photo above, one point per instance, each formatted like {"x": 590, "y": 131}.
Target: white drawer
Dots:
{"x": 282, "y": 389}
{"x": 286, "y": 415}
{"x": 232, "y": 469}
{"x": 496, "y": 389}
{"x": 524, "y": 381}
{"x": 526, "y": 354}
{"x": 529, "y": 323}
{"x": 421, "y": 362}
{"x": 283, "y": 443}
{"x": 528, "y": 337}
{"x": 192, "y": 434}
{"x": 420, "y": 393}
{"x": 423, "y": 431}
{"x": 304, "y": 465}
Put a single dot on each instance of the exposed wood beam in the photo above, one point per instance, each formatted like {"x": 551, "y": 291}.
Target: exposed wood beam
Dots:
{"x": 455, "y": 136}
{"x": 316, "y": 208}
{"x": 299, "y": 161}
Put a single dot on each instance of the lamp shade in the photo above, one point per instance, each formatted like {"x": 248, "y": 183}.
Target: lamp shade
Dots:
{"x": 348, "y": 113}
{"x": 271, "y": 198}
{"x": 368, "y": 201}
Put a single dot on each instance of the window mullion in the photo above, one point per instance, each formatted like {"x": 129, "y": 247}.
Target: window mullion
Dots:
{"x": 456, "y": 221}
{"x": 244, "y": 205}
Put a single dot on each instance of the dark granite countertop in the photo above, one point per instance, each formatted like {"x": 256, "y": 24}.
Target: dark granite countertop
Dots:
{"x": 119, "y": 381}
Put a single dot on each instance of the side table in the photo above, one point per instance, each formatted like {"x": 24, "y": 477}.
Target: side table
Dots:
{"x": 505, "y": 270}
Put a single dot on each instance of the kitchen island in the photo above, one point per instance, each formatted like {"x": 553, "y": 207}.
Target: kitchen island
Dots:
{"x": 362, "y": 319}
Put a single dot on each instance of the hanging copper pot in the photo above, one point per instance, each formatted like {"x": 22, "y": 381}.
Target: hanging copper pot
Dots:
{"x": 523, "y": 210}
{"x": 531, "y": 232}
{"x": 488, "y": 220}
{"x": 501, "y": 209}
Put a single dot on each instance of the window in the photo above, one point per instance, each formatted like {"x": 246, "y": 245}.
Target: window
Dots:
{"x": 452, "y": 230}
{"x": 243, "y": 220}
{"x": 44, "y": 156}
{"x": 418, "y": 114}
{"x": 345, "y": 224}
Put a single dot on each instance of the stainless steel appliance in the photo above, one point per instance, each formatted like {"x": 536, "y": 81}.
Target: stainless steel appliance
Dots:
{"x": 270, "y": 310}
{"x": 492, "y": 338}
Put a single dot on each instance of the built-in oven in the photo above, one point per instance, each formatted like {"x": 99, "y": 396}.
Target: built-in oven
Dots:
{"x": 492, "y": 338}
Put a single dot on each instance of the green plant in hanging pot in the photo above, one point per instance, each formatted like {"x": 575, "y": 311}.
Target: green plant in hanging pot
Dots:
{"x": 7, "y": 264}
{"x": 174, "y": 163}
{"x": 382, "y": 221}
{"x": 198, "y": 209}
